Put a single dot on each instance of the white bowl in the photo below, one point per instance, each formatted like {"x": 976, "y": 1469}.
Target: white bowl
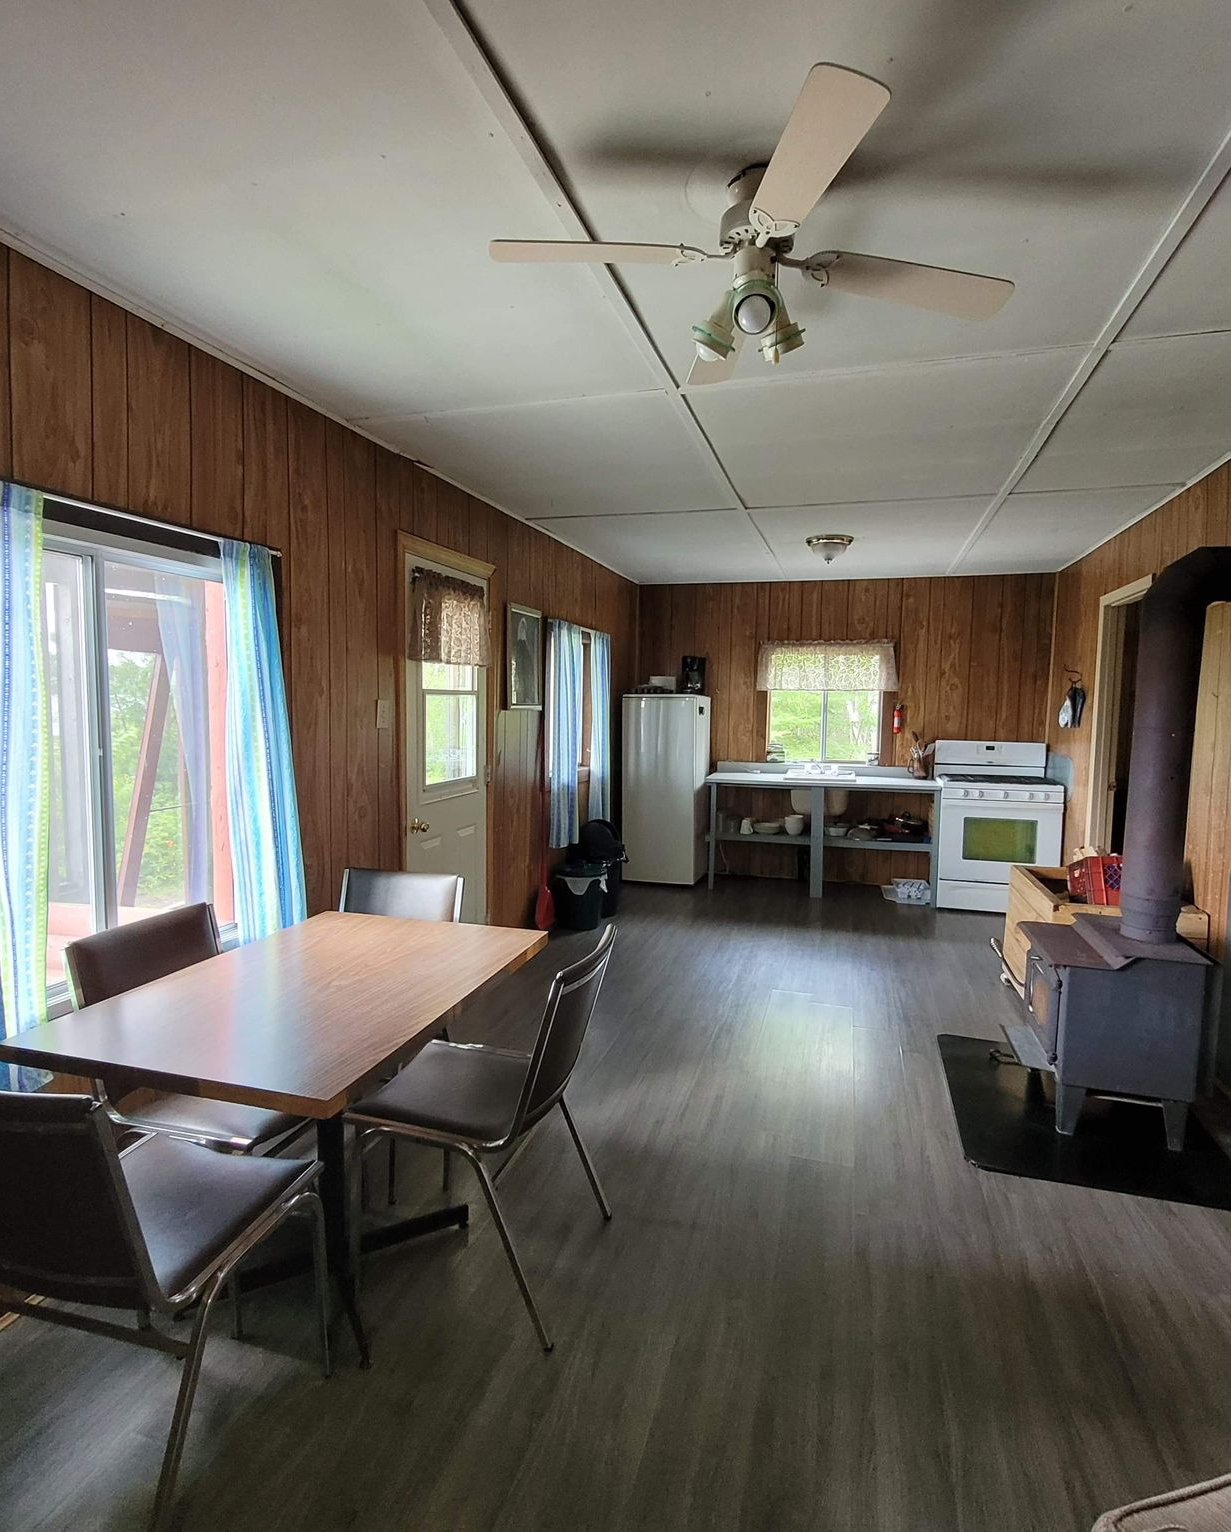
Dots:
{"x": 767, "y": 826}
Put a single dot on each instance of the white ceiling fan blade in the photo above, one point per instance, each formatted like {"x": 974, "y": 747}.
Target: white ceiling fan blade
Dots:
{"x": 835, "y": 109}
{"x": 961, "y": 293}
{"x": 592, "y": 250}
{"x": 702, "y": 371}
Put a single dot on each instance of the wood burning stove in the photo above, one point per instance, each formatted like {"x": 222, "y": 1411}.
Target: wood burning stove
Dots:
{"x": 1115, "y": 1016}
{"x": 1118, "y": 1006}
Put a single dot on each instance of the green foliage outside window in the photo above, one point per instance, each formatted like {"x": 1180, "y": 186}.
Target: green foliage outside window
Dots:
{"x": 161, "y": 879}
{"x": 825, "y": 726}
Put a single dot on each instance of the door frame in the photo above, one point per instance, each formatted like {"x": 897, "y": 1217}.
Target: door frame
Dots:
{"x": 1105, "y": 704}
{"x": 408, "y": 549}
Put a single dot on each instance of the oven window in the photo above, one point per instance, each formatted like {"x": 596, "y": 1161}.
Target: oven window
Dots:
{"x": 999, "y": 840}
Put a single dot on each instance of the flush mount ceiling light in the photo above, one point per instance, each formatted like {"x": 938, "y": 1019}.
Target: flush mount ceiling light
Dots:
{"x": 830, "y": 544}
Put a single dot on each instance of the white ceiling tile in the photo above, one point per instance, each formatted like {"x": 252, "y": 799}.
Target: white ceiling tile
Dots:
{"x": 896, "y": 538}
{"x": 679, "y": 548}
{"x": 1034, "y": 532}
{"x": 1001, "y": 151}
{"x": 922, "y": 431}
{"x": 576, "y": 457}
{"x": 1154, "y": 412}
{"x": 1193, "y": 292}
{"x": 311, "y": 187}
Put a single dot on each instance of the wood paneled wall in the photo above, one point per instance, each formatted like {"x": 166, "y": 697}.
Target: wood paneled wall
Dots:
{"x": 972, "y": 663}
{"x": 98, "y": 404}
{"x": 1197, "y": 517}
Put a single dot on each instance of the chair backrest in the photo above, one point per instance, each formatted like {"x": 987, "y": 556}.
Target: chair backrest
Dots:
{"x": 67, "y": 1225}
{"x": 407, "y": 895}
{"x": 112, "y": 962}
{"x": 570, "y": 1004}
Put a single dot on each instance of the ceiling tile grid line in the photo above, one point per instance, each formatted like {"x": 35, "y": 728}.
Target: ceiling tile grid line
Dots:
{"x": 564, "y": 399}
{"x": 1172, "y": 492}
{"x": 202, "y": 341}
{"x": 477, "y": 63}
{"x": 1169, "y": 241}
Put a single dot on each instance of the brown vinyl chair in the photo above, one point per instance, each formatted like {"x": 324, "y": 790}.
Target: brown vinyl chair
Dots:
{"x": 155, "y": 1230}
{"x": 477, "y": 1101}
{"x": 405, "y": 896}
{"x": 111, "y": 963}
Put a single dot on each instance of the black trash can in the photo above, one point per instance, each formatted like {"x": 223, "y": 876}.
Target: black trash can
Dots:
{"x": 578, "y": 893}
{"x": 599, "y": 841}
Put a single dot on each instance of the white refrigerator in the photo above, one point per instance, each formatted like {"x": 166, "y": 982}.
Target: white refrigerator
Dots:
{"x": 666, "y": 762}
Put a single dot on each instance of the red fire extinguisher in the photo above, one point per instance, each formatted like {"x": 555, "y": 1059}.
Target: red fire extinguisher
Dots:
{"x": 899, "y": 713}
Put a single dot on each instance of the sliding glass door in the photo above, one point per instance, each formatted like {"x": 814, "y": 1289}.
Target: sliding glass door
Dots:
{"x": 136, "y": 676}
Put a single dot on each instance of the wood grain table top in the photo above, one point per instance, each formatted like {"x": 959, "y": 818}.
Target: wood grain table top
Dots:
{"x": 301, "y": 1022}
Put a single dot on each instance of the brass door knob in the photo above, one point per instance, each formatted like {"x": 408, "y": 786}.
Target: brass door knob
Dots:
{"x": 419, "y": 826}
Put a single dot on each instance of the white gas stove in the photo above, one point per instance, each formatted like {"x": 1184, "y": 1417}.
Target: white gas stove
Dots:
{"x": 997, "y": 808}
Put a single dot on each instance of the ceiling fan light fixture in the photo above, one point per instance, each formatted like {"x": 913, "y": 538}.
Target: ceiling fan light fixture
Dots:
{"x": 715, "y": 339}
{"x": 755, "y": 303}
{"x": 783, "y": 338}
{"x": 830, "y": 544}
{"x": 754, "y": 313}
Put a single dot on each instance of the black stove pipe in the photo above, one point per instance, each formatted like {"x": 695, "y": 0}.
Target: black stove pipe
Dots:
{"x": 1164, "y": 722}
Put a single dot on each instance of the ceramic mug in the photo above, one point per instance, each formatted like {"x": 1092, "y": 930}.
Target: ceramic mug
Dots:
{"x": 794, "y": 824}
{"x": 746, "y": 827}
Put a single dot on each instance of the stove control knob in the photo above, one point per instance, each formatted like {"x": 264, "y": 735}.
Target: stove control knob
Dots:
{"x": 1030, "y": 797}
{"x": 978, "y": 793}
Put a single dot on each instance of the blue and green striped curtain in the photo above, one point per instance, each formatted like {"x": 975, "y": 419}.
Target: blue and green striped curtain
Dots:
{"x": 23, "y": 774}
{"x": 564, "y": 707}
{"x": 600, "y": 726}
{"x": 264, "y": 814}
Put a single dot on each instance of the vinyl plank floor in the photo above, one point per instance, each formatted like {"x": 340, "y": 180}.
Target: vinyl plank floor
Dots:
{"x": 808, "y": 1311}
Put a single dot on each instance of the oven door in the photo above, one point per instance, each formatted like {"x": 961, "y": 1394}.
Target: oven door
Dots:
{"x": 979, "y": 842}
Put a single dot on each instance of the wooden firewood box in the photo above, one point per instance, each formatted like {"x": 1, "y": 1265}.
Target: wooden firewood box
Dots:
{"x": 1041, "y": 893}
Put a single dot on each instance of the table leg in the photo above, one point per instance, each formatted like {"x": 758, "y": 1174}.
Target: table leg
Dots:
{"x": 713, "y": 829}
{"x": 331, "y": 1150}
{"x": 816, "y": 878}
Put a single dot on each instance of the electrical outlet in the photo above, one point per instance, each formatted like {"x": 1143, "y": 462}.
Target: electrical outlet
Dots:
{"x": 384, "y": 713}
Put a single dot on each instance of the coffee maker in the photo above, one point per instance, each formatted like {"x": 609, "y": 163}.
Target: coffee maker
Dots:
{"x": 692, "y": 674}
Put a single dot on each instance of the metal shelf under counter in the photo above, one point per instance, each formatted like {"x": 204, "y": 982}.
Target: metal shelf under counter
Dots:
{"x": 874, "y": 780}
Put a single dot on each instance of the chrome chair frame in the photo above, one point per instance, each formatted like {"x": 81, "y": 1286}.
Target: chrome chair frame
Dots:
{"x": 454, "y": 918}
{"x": 346, "y": 879}
{"x": 371, "y": 1127}
{"x": 134, "y": 1121}
{"x": 202, "y": 1290}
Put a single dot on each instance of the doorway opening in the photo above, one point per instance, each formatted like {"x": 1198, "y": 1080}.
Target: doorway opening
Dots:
{"x": 445, "y": 772}
{"x": 1113, "y": 703}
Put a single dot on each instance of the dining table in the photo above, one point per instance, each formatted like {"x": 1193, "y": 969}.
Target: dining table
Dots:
{"x": 304, "y": 1021}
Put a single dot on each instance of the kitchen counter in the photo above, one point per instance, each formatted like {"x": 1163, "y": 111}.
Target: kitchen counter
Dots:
{"x": 874, "y": 779}
{"x": 862, "y": 783}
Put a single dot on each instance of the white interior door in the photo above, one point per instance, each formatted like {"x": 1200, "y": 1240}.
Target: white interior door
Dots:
{"x": 446, "y": 759}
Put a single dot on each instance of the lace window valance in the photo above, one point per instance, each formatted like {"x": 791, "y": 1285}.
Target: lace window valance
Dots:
{"x": 817, "y": 665}
{"x": 447, "y": 623}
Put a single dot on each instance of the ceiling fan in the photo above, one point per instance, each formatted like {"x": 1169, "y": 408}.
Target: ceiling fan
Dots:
{"x": 835, "y": 109}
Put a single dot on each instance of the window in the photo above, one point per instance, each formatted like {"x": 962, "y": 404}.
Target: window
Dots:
{"x": 825, "y": 696}
{"x": 450, "y": 723}
{"x": 135, "y": 657}
{"x": 825, "y": 725}
{"x": 584, "y": 740}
